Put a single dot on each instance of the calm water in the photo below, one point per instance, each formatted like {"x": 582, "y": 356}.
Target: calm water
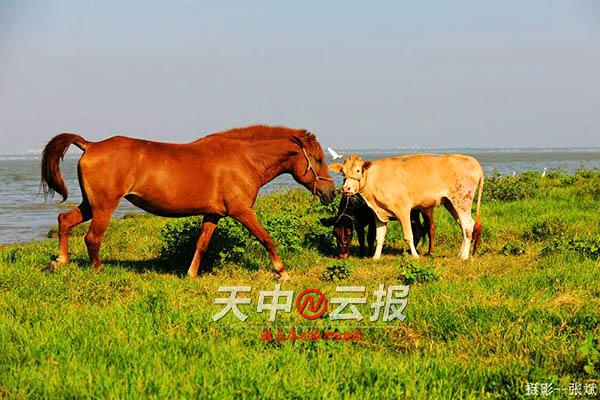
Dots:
{"x": 24, "y": 216}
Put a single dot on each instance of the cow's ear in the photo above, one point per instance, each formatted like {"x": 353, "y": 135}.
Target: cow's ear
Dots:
{"x": 366, "y": 165}
{"x": 327, "y": 221}
{"x": 336, "y": 167}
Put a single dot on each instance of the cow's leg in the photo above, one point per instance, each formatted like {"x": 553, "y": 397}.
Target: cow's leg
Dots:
{"x": 404, "y": 219}
{"x": 93, "y": 239}
{"x": 360, "y": 235}
{"x": 466, "y": 223}
{"x": 381, "y": 229}
{"x": 66, "y": 222}
{"x": 209, "y": 223}
{"x": 248, "y": 219}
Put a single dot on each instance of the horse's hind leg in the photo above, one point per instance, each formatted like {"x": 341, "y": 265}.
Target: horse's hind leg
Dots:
{"x": 208, "y": 227}
{"x": 93, "y": 239}
{"x": 67, "y": 221}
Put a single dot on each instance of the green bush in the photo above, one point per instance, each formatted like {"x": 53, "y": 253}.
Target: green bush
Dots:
{"x": 588, "y": 187}
{"x": 513, "y": 248}
{"x": 588, "y": 247}
{"x": 589, "y": 355}
{"x": 290, "y": 217}
{"x": 337, "y": 271}
{"x": 179, "y": 239}
{"x": 511, "y": 188}
{"x": 545, "y": 229}
{"x": 416, "y": 272}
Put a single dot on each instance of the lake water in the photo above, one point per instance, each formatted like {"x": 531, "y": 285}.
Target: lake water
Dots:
{"x": 24, "y": 216}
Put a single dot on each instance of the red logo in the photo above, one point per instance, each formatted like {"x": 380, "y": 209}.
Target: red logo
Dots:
{"x": 316, "y": 301}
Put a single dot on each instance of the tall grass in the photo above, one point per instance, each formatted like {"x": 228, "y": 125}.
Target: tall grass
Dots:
{"x": 475, "y": 329}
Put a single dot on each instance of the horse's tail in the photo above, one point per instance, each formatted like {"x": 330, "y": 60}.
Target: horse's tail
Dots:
{"x": 52, "y": 179}
{"x": 478, "y": 226}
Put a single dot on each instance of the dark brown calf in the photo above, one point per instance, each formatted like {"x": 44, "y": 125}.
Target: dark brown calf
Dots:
{"x": 355, "y": 214}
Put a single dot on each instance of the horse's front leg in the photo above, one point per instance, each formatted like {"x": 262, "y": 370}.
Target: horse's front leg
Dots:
{"x": 249, "y": 220}
{"x": 209, "y": 223}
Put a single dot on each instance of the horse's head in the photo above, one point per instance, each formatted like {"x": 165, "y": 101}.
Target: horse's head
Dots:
{"x": 310, "y": 169}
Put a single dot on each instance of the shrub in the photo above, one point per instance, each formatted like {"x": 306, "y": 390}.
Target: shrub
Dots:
{"x": 337, "y": 271}
{"x": 589, "y": 355}
{"x": 545, "y": 229}
{"x": 179, "y": 239}
{"x": 417, "y": 272}
{"x": 290, "y": 217}
{"x": 588, "y": 247}
{"x": 588, "y": 187}
{"x": 513, "y": 248}
{"x": 511, "y": 188}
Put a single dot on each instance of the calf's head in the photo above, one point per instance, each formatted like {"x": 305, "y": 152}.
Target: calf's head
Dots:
{"x": 354, "y": 171}
{"x": 343, "y": 229}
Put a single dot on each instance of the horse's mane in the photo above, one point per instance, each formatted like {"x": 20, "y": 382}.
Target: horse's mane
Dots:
{"x": 264, "y": 132}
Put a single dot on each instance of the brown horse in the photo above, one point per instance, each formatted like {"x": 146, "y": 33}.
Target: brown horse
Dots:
{"x": 216, "y": 176}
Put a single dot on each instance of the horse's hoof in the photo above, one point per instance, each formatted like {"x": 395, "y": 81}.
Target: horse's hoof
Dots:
{"x": 284, "y": 276}
{"x": 52, "y": 266}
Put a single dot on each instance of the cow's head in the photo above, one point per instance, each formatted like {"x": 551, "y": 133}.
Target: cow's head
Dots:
{"x": 354, "y": 171}
{"x": 343, "y": 229}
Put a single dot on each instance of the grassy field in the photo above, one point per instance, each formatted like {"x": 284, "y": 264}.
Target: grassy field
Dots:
{"x": 526, "y": 310}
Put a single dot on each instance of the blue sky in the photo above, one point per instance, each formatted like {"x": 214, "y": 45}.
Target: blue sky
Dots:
{"x": 358, "y": 74}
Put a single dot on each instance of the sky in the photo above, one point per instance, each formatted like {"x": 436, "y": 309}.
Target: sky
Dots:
{"x": 357, "y": 74}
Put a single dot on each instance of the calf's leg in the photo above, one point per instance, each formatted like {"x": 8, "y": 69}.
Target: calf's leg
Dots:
{"x": 430, "y": 226}
{"x": 360, "y": 235}
{"x": 371, "y": 237}
{"x": 416, "y": 227}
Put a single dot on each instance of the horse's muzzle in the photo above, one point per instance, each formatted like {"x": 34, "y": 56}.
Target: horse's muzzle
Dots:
{"x": 327, "y": 196}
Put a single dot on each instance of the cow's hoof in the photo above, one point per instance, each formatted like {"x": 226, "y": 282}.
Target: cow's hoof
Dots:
{"x": 284, "y": 276}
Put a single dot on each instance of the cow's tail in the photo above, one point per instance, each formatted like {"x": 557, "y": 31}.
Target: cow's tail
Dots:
{"x": 54, "y": 152}
{"x": 478, "y": 226}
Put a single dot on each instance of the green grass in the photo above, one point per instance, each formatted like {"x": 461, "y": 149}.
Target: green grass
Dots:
{"x": 484, "y": 329}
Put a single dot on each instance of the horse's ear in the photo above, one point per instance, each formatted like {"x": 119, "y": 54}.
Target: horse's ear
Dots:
{"x": 297, "y": 140}
{"x": 336, "y": 167}
{"x": 327, "y": 221}
{"x": 366, "y": 165}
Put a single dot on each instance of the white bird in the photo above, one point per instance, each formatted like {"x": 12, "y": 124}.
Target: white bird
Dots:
{"x": 544, "y": 172}
{"x": 334, "y": 155}
{"x": 514, "y": 173}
